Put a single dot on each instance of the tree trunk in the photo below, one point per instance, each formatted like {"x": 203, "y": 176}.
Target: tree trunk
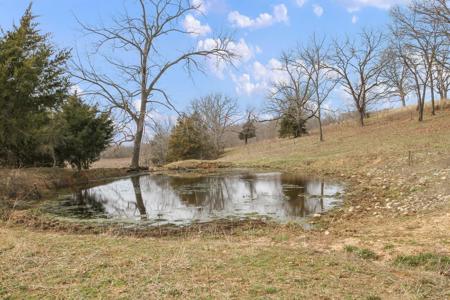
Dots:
{"x": 246, "y": 139}
{"x": 421, "y": 112}
{"x": 443, "y": 95}
{"x": 137, "y": 143}
{"x": 433, "y": 112}
{"x": 422, "y": 103}
{"x": 361, "y": 117}
{"x": 402, "y": 98}
{"x": 320, "y": 127}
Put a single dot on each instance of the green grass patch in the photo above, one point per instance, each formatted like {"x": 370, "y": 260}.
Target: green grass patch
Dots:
{"x": 427, "y": 260}
{"x": 271, "y": 290}
{"x": 389, "y": 247}
{"x": 361, "y": 252}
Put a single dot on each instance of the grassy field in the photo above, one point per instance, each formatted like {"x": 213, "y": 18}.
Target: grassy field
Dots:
{"x": 390, "y": 240}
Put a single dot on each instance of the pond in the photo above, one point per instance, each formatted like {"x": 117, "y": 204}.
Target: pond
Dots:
{"x": 185, "y": 199}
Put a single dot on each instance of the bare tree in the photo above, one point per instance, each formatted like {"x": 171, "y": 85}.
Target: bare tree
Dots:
{"x": 396, "y": 74}
{"x": 134, "y": 87}
{"x": 291, "y": 96}
{"x": 442, "y": 74}
{"x": 314, "y": 60}
{"x": 157, "y": 147}
{"x": 437, "y": 12}
{"x": 434, "y": 16}
{"x": 358, "y": 64}
{"x": 218, "y": 112}
{"x": 418, "y": 42}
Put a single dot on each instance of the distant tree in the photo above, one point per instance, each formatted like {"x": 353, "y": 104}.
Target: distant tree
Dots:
{"x": 217, "y": 112}
{"x": 396, "y": 74}
{"x": 290, "y": 127}
{"x": 32, "y": 84}
{"x": 83, "y": 133}
{"x": 442, "y": 73}
{"x": 189, "y": 140}
{"x": 357, "y": 62}
{"x": 159, "y": 143}
{"x": 314, "y": 59}
{"x": 248, "y": 129}
{"x": 418, "y": 42}
{"x": 291, "y": 97}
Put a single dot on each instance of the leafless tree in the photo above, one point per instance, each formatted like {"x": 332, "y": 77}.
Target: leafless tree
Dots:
{"x": 442, "y": 74}
{"x": 314, "y": 60}
{"x": 358, "y": 64}
{"x": 157, "y": 147}
{"x": 418, "y": 42}
{"x": 396, "y": 74}
{"x": 437, "y": 12}
{"x": 435, "y": 18}
{"x": 291, "y": 96}
{"x": 132, "y": 47}
{"x": 218, "y": 112}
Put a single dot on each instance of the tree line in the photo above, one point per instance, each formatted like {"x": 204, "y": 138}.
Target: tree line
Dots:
{"x": 411, "y": 59}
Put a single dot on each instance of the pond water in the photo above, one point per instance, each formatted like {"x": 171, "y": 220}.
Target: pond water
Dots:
{"x": 184, "y": 199}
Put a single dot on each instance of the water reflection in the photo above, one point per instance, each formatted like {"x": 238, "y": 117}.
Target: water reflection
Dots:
{"x": 175, "y": 199}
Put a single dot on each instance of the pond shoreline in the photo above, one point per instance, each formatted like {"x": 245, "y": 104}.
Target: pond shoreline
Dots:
{"x": 26, "y": 212}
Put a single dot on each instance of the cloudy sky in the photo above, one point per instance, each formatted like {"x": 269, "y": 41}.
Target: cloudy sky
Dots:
{"x": 262, "y": 29}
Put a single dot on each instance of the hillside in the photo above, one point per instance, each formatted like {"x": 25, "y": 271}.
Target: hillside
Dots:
{"x": 386, "y": 140}
{"x": 390, "y": 240}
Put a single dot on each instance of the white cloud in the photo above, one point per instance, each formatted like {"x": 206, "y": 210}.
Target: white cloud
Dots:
{"x": 300, "y": 3}
{"x": 279, "y": 15}
{"x": 195, "y": 27}
{"x": 260, "y": 78}
{"x": 200, "y": 5}
{"x": 355, "y": 5}
{"x": 318, "y": 10}
{"x": 244, "y": 84}
{"x": 243, "y": 51}
{"x": 354, "y": 19}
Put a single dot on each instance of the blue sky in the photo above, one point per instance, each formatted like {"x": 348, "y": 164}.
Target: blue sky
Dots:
{"x": 262, "y": 29}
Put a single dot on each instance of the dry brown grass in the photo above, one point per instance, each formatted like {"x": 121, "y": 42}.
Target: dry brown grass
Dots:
{"x": 387, "y": 138}
{"x": 391, "y": 209}
{"x": 112, "y": 163}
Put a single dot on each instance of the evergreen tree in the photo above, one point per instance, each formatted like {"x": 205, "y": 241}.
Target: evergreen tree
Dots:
{"x": 83, "y": 133}
{"x": 290, "y": 127}
{"x": 248, "y": 131}
{"x": 189, "y": 140}
{"x": 32, "y": 83}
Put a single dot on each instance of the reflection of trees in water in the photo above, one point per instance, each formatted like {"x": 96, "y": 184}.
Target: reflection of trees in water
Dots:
{"x": 95, "y": 200}
{"x": 298, "y": 201}
{"x": 197, "y": 197}
{"x": 249, "y": 180}
{"x": 85, "y": 204}
{"x": 210, "y": 193}
{"x": 135, "y": 180}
